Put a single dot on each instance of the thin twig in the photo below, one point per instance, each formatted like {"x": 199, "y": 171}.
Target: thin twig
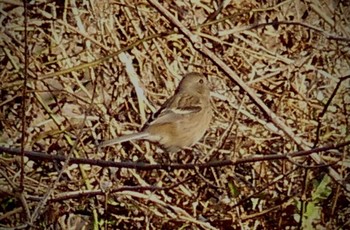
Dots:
{"x": 169, "y": 166}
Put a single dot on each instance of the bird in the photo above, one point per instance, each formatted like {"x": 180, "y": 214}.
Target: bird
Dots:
{"x": 181, "y": 121}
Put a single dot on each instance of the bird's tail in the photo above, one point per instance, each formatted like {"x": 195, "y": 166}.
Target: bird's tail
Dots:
{"x": 128, "y": 137}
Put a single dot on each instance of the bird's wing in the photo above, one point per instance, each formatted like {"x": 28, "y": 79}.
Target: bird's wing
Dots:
{"x": 175, "y": 108}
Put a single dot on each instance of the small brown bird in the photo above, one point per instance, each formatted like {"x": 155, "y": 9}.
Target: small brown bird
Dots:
{"x": 181, "y": 121}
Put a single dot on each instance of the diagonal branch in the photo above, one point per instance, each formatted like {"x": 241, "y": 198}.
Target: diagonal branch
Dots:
{"x": 277, "y": 121}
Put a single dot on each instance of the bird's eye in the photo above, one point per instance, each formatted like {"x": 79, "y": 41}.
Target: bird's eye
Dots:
{"x": 201, "y": 81}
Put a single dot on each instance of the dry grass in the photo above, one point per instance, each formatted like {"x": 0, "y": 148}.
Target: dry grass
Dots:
{"x": 81, "y": 89}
